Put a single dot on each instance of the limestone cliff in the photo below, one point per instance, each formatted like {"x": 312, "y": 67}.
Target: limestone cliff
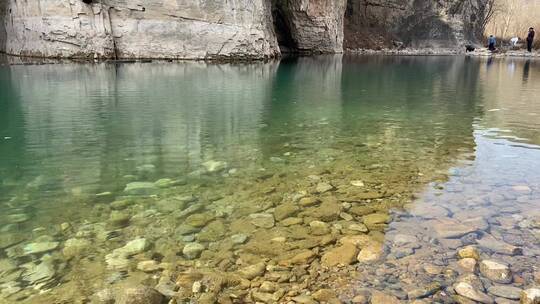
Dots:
{"x": 187, "y": 29}
{"x": 413, "y": 23}
{"x": 249, "y": 29}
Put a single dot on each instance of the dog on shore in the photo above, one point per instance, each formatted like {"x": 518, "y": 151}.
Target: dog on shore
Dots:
{"x": 469, "y": 48}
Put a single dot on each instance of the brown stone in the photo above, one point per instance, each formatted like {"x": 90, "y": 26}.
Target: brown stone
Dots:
{"x": 343, "y": 255}
{"x": 378, "y": 297}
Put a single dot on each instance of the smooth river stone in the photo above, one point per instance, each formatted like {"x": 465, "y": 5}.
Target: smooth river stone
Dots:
{"x": 286, "y": 210}
{"x": 371, "y": 252}
{"x": 467, "y": 290}
{"x": 530, "y": 296}
{"x": 75, "y": 247}
{"x": 378, "y": 297}
{"x": 343, "y": 255}
{"x": 41, "y": 247}
{"x": 450, "y": 228}
{"x": 490, "y": 243}
{"x": 467, "y": 264}
{"x": 375, "y": 220}
{"x": 429, "y": 211}
{"x": 239, "y": 238}
{"x": 357, "y": 183}
{"x": 495, "y": 271}
{"x": 263, "y": 220}
{"x": 508, "y": 292}
{"x": 135, "y": 247}
{"x": 469, "y": 252}
{"x": 192, "y": 250}
{"x": 252, "y": 271}
{"x": 324, "y": 187}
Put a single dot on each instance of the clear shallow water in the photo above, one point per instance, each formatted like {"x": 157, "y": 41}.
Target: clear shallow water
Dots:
{"x": 282, "y": 163}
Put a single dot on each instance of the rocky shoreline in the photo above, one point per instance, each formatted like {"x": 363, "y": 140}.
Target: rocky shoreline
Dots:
{"x": 23, "y": 60}
{"x": 445, "y": 52}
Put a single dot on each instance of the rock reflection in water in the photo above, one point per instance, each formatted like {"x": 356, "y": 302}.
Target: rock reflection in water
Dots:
{"x": 270, "y": 182}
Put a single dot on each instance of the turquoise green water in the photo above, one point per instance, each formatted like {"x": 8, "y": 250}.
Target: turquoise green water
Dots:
{"x": 279, "y": 163}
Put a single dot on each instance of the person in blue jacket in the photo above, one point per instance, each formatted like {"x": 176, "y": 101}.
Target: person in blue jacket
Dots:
{"x": 491, "y": 43}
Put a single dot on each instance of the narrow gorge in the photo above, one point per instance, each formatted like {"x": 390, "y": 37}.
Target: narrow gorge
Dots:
{"x": 254, "y": 29}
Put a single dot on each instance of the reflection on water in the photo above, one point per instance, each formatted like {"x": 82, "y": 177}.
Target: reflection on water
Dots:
{"x": 269, "y": 182}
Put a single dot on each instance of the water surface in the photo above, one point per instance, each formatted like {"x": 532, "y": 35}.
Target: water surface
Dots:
{"x": 280, "y": 164}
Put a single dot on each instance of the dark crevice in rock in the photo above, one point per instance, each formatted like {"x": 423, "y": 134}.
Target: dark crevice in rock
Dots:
{"x": 3, "y": 18}
{"x": 115, "y": 47}
{"x": 314, "y": 28}
{"x": 282, "y": 29}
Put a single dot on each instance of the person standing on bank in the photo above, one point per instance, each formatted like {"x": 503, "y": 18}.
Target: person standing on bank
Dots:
{"x": 491, "y": 43}
{"x": 530, "y": 39}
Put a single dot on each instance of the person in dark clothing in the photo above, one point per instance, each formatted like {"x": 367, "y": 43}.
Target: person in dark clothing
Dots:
{"x": 530, "y": 39}
{"x": 491, "y": 43}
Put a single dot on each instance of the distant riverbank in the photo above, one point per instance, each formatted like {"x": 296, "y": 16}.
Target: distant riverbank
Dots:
{"x": 483, "y": 52}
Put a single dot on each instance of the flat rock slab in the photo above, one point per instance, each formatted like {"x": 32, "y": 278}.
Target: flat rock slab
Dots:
{"x": 343, "y": 255}
{"x": 451, "y": 228}
{"x": 508, "y": 292}
{"x": 41, "y": 247}
{"x": 492, "y": 244}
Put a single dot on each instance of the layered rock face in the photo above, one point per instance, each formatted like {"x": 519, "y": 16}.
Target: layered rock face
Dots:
{"x": 249, "y": 29}
{"x": 314, "y": 25}
{"x": 56, "y": 29}
{"x": 184, "y": 29}
{"x": 413, "y": 23}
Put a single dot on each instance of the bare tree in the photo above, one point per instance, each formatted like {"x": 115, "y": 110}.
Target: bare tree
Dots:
{"x": 511, "y": 18}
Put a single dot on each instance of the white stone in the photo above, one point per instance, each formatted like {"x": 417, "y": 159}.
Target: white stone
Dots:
{"x": 214, "y": 166}
{"x": 371, "y": 252}
{"x": 496, "y": 271}
{"x": 357, "y": 183}
{"x": 40, "y": 247}
{"x": 192, "y": 250}
{"x": 197, "y": 287}
{"x": 239, "y": 238}
{"x": 135, "y": 246}
{"x": 530, "y": 296}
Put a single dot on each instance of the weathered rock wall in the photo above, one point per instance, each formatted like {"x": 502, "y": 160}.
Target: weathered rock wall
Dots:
{"x": 250, "y": 29}
{"x": 315, "y": 25}
{"x": 56, "y": 28}
{"x": 413, "y": 23}
{"x": 186, "y": 29}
